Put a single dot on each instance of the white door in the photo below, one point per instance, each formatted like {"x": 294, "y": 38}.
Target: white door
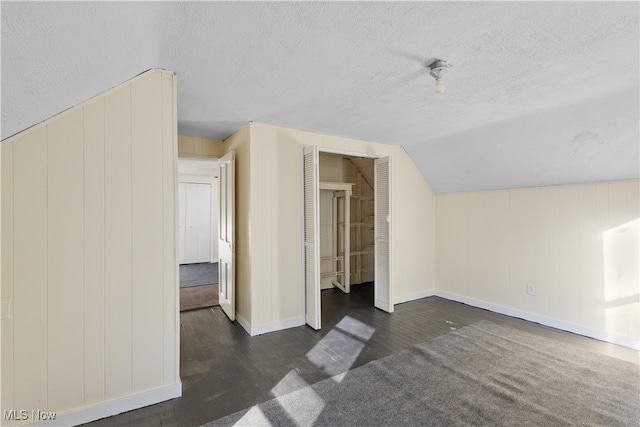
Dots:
{"x": 194, "y": 226}
{"x": 226, "y": 239}
{"x": 182, "y": 223}
{"x": 311, "y": 237}
{"x": 382, "y": 234}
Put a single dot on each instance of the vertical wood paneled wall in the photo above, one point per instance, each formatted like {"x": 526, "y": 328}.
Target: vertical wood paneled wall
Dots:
{"x": 490, "y": 245}
{"x": 89, "y": 276}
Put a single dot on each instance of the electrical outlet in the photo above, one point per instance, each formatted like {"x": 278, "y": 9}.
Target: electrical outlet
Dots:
{"x": 531, "y": 290}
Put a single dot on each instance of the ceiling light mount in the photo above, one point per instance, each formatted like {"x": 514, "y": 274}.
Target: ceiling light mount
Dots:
{"x": 438, "y": 69}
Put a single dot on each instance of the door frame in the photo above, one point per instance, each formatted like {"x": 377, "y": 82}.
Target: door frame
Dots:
{"x": 200, "y": 179}
{"x": 321, "y": 149}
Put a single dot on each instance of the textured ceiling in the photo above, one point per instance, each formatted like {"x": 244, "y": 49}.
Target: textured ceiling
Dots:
{"x": 540, "y": 93}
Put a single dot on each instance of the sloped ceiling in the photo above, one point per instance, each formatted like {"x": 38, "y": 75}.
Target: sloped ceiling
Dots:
{"x": 540, "y": 93}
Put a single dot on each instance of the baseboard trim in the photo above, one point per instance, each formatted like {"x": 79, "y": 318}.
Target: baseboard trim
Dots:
{"x": 411, "y": 297}
{"x": 243, "y": 322}
{"x": 544, "y": 320}
{"x": 269, "y": 327}
{"x": 113, "y": 407}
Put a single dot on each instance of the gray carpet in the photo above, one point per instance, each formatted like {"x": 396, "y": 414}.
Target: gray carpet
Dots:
{"x": 205, "y": 273}
{"x": 480, "y": 375}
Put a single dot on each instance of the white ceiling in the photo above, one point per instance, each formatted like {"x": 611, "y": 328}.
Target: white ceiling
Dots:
{"x": 540, "y": 93}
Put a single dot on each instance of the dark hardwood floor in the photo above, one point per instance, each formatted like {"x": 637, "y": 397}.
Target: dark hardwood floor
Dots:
{"x": 224, "y": 370}
{"x": 195, "y": 297}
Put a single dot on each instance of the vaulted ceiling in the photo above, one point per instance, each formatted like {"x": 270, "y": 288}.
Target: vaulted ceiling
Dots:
{"x": 540, "y": 93}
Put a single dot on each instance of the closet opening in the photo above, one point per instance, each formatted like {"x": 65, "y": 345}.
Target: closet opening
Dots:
{"x": 346, "y": 221}
{"x": 343, "y": 249}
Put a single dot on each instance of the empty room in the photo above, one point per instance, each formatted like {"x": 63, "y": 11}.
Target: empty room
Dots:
{"x": 320, "y": 213}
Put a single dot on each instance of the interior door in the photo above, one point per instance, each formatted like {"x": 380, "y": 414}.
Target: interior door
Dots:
{"x": 202, "y": 210}
{"x": 382, "y": 235}
{"x": 194, "y": 216}
{"x": 311, "y": 237}
{"x": 226, "y": 239}
{"x": 182, "y": 223}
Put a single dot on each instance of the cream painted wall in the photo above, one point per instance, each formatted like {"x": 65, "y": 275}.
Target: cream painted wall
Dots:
{"x": 331, "y": 168}
{"x": 89, "y": 278}
{"x": 276, "y": 223}
{"x": 570, "y": 242}
{"x": 201, "y": 146}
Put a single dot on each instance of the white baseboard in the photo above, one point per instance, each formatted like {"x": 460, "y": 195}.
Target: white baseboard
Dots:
{"x": 543, "y": 320}
{"x": 269, "y": 327}
{"x": 243, "y": 322}
{"x": 411, "y": 297}
{"x": 113, "y": 407}
{"x": 547, "y": 321}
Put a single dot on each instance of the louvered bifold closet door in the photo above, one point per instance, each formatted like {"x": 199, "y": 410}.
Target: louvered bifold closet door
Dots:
{"x": 311, "y": 237}
{"x": 382, "y": 214}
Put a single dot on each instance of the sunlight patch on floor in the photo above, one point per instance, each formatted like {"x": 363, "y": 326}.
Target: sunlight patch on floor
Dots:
{"x": 253, "y": 417}
{"x": 304, "y": 408}
{"x": 291, "y": 381}
{"x": 335, "y": 353}
{"x": 338, "y": 350}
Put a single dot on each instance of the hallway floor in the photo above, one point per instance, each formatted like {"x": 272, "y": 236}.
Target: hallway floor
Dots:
{"x": 224, "y": 370}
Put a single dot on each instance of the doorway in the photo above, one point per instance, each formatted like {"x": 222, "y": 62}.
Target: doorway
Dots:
{"x": 346, "y": 221}
{"x": 198, "y": 231}
{"x": 346, "y": 226}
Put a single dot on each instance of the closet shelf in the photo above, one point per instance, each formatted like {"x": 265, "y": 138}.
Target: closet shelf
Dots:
{"x": 363, "y": 224}
{"x": 360, "y": 224}
{"x": 331, "y": 274}
{"x": 360, "y": 252}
